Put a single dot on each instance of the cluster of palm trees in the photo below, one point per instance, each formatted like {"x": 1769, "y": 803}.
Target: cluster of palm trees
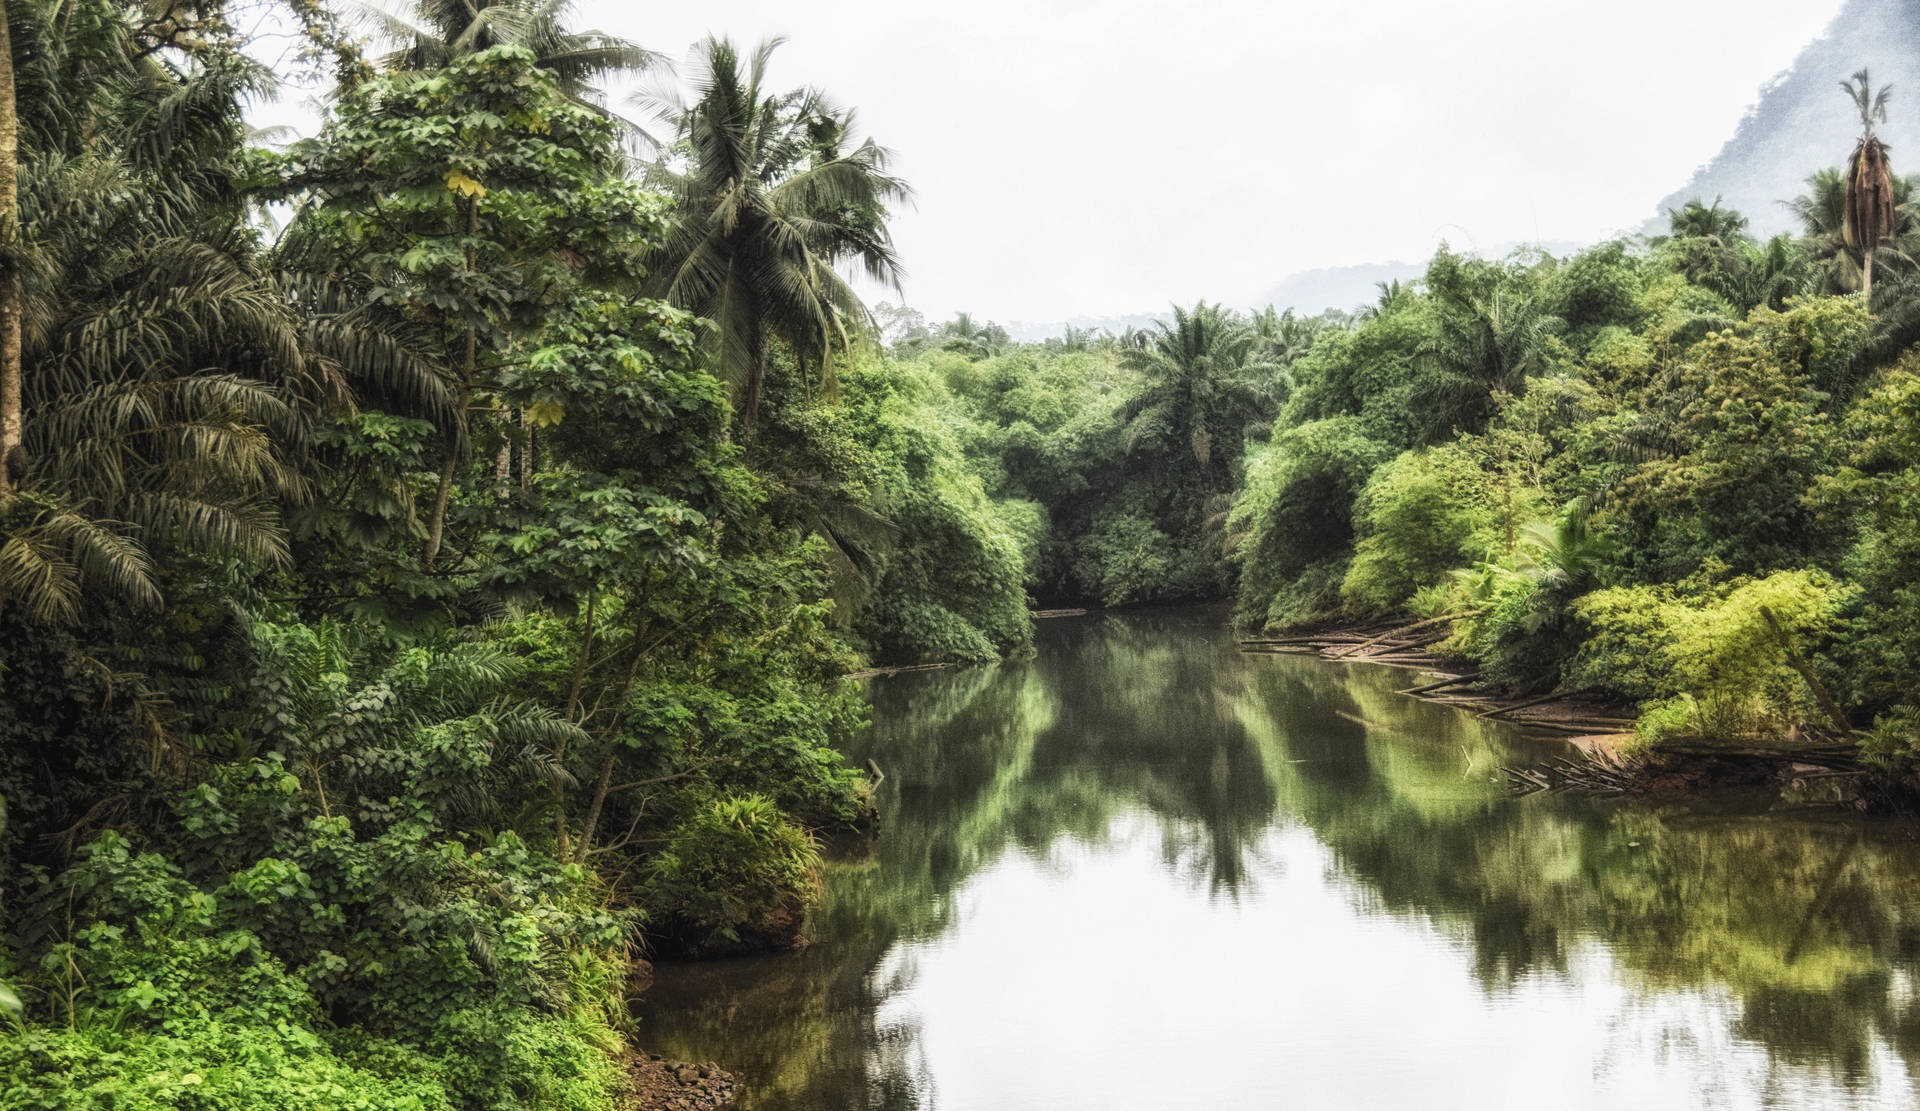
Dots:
{"x": 159, "y": 375}
{"x": 1855, "y": 220}
{"x": 774, "y": 190}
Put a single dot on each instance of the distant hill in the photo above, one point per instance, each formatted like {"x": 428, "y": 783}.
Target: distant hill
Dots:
{"x": 1802, "y": 121}
{"x": 1029, "y": 331}
{"x": 1351, "y": 287}
{"x": 1337, "y": 287}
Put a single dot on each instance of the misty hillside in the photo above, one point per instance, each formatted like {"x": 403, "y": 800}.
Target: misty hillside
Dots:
{"x": 1338, "y": 287}
{"x": 1802, "y": 121}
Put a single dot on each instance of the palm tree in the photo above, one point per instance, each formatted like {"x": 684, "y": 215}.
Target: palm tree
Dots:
{"x": 770, "y": 203}
{"x": 1870, "y": 189}
{"x": 1836, "y": 265}
{"x": 12, "y": 458}
{"x": 1282, "y": 337}
{"x": 971, "y": 337}
{"x": 1483, "y": 345}
{"x": 1695, "y": 220}
{"x": 442, "y": 30}
{"x": 173, "y": 376}
{"x": 1199, "y": 390}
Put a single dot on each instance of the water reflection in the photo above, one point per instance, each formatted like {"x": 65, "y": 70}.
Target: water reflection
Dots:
{"x": 1141, "y": 870}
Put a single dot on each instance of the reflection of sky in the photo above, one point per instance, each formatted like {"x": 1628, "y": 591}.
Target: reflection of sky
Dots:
{"x": 1098, "y": 978}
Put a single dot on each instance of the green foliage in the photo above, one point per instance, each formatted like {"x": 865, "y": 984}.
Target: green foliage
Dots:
{"x": 952, "y": 585}
{"x": 1709, "y": 661}
{"x": 1742, "y": 439}
{"x": 733, "y": 862}
{"x": 328, "y": 960}
{"x": 1419, "y": 516}
{"x": 1295, "y": 519}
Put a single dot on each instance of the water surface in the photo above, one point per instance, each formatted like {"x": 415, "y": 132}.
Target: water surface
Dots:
{"x": 1142, "y": 870}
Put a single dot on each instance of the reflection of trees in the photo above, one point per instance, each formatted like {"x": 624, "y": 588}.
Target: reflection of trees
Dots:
{"x": 1126, "y": 715}
{"x": 1809, "y": 925}
{"x": 1157, "y": 713}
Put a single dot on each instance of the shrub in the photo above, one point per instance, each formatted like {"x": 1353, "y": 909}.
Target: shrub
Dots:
{"x": 735, "y": 876}
{"x": 1710, "y": 662}
{"x": 1419, "y": 516}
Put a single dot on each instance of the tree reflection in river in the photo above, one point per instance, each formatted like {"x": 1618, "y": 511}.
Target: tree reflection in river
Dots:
{"x": 1809, "y": 927}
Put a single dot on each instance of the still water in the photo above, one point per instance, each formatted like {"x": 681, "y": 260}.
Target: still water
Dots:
{"x": 1144, "y": 871}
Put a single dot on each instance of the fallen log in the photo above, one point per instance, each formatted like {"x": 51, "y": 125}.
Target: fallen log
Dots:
{"x": 1540, "y": 701}
{"x": 874, "y": 671}
{"x": 1427, "y": 624}
{"x": 1441, "y": 685}
{"x": 1307, "y": 638}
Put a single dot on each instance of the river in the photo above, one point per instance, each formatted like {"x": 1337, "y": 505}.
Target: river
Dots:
{"x": 1142, "y": 870}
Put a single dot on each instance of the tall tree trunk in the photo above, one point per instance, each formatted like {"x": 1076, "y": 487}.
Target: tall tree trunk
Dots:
{"x": 437, "y": 520}
{"x": 756, "y": 373}
{"x": 594, "y": 810}
{"x": 526, "y": 450}
{"x": 1866, "y": 282}
{"x": 12, "y": 427}
{"x": 437, "y": 523}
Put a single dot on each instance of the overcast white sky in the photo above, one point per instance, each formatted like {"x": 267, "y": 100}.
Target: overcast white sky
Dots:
{"x": 1085, "y": 157}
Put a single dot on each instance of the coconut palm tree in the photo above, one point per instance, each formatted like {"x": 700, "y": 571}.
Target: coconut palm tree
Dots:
{"x": 439, "y": 31}
{"x": 1198, "y": 389}
{"x": 771, "y": 201}
{"x": 1870, "y": 201}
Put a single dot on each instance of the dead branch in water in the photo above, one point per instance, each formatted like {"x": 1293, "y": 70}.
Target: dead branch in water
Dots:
{"x": 873, "y": 671}
{"x": 1441, "y": 685}
{"x": 1391, "y": 634}
{"x": 1557, "y": 696}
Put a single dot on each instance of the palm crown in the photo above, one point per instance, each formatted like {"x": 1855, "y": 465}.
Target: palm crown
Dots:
{"x": 771, "y": 200}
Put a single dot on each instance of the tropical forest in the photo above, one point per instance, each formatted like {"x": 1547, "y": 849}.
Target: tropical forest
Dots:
{"x": 508, "y": 602}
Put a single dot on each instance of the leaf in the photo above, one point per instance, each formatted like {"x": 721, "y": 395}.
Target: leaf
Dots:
{"x": 545, "y": 414}
{"x": 464, "y": 185}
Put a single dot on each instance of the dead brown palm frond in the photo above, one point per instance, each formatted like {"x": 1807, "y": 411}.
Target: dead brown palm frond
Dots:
{"x": 1870, "y": 206}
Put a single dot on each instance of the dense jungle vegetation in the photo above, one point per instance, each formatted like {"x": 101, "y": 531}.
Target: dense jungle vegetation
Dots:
{"x": 432, "y": 551}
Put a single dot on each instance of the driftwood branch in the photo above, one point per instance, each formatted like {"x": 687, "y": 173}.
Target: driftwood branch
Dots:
{"x": 1799, "y": 663}
{"x": 1390, "y": 634}
{"x": 1443, "y": 684}
{"x": 1557, "y": 696}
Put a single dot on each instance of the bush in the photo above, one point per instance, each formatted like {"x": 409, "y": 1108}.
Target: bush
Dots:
{"x": 1294, "y": 520}
{"x": 1710, "y": 661}
{"x": 297, "y": 958}
{"x": 736, "y": 876}
{"x": 1419, "y": 516}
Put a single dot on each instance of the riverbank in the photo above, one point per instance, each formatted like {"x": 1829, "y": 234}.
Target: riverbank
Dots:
{"x": 666, "y": 1085}
{"x": 1806, "y": 768}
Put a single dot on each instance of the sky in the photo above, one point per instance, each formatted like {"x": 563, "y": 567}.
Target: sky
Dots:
{"x": 1081, "y": 158}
